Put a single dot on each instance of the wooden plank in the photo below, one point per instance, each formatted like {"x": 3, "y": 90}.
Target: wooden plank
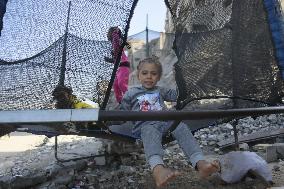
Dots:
{"x": 48, "y": 116}
{"x": 256, "y": 136}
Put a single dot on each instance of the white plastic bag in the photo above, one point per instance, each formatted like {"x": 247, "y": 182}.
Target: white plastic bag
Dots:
{"x": 235, "y": 165}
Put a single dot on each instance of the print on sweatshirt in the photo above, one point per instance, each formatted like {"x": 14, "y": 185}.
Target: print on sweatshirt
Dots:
{"x": 149, "y": 102}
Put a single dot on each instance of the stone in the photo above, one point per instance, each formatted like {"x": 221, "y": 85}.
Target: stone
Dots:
{"x": 100, "y": 160}
{"x": 63, "y": 180}
{"x": 228, "y": 126}
{"x": 61, "y": 187}
{"x": 216, "y": 150}
{"x": 276, "y": 168}
{"x": 5, "y": 181}
{"x": 273, "y": 152}
{"x": 260, "y": 147}
{"x": 244, "y": 147}
{"x": 92, "y": 178}
{"x": 212, "y": 137}
{"x": 127, "y": 169}
{"x": 27, "y": 182}
{"x": 204, "y": 143}
{"x": 280, "y": 150}
{"x": 52, "y": 169}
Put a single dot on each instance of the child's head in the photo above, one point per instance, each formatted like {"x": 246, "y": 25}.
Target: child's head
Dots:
{"x": 62, "y": 95}
{"x": 149, "y": 71}
{"x": 116, "y": 28}
{"x": 110, "y": 31}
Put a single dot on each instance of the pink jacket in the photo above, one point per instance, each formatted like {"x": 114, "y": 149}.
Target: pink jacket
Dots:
{"x": 116, "y": 45}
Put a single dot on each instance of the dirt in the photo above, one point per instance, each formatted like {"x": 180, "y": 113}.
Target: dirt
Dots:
{"x": 189, "y": 178}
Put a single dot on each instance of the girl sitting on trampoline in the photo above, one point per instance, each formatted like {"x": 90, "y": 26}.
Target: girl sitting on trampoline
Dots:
{"x": 150, "y": 97}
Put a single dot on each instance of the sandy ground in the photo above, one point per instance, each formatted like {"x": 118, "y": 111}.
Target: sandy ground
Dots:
{"x": 23, "y": 153}
{"x": 20, "y": 142}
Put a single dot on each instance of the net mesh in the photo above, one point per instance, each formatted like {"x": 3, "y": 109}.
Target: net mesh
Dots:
{"x": 36, "y": 45}
{"x": 224, "y": 49}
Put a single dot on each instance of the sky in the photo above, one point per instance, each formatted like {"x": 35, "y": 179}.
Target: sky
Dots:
{"x": 156, "y": 10}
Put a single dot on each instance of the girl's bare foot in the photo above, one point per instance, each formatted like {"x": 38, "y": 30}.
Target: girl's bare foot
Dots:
{"x": 163, "y": 175}
{"x": 206, "y": 169}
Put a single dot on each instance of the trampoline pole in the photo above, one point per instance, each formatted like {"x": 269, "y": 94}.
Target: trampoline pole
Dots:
{"x": 237, "y": 146}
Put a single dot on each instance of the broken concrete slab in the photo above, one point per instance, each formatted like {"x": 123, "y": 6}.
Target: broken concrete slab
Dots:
{"x": 273, "y": 152}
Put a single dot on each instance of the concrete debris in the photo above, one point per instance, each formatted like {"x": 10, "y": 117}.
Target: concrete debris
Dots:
{"x": 273, "y": 152}
{"x": 213, "y": 135}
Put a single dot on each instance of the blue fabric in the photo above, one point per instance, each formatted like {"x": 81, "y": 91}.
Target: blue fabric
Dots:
{"x": 151, "y": 133}
{"x": 276, "y": 22}
{"x": 2, "y": 12}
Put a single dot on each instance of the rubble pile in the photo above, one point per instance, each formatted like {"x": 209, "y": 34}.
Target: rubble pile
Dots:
{"x": 211, "y": 135}
{"x": 128, "y": 170}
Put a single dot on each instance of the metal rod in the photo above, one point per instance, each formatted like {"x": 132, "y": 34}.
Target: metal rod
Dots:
{"x": 55, "y": 147}
{"x": 186, "y": 115}
{"x": 147, "y": 38}
{"x": 108, "y": 115}
{"x": 63, "y": 66}
{"x": 236, "y": 137}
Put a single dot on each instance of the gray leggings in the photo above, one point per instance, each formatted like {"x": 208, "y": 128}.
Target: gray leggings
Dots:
{"x": 151, "y": 133}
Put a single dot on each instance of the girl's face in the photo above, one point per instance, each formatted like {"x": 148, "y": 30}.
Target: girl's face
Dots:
{"x": 148, "y": 75}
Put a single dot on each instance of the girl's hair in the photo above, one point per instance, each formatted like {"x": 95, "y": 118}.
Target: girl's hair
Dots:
{"x": 59, "y": 95}
{"x": 110, "y": 30}
{"x": 151, "y": 60}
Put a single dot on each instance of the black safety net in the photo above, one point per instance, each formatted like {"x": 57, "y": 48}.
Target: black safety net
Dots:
{"x": 225, "y": 52}
{"x": 46, "y": 43}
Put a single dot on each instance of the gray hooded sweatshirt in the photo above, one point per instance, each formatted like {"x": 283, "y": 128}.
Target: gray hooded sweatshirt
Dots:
{"x": 142, "y": 99}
